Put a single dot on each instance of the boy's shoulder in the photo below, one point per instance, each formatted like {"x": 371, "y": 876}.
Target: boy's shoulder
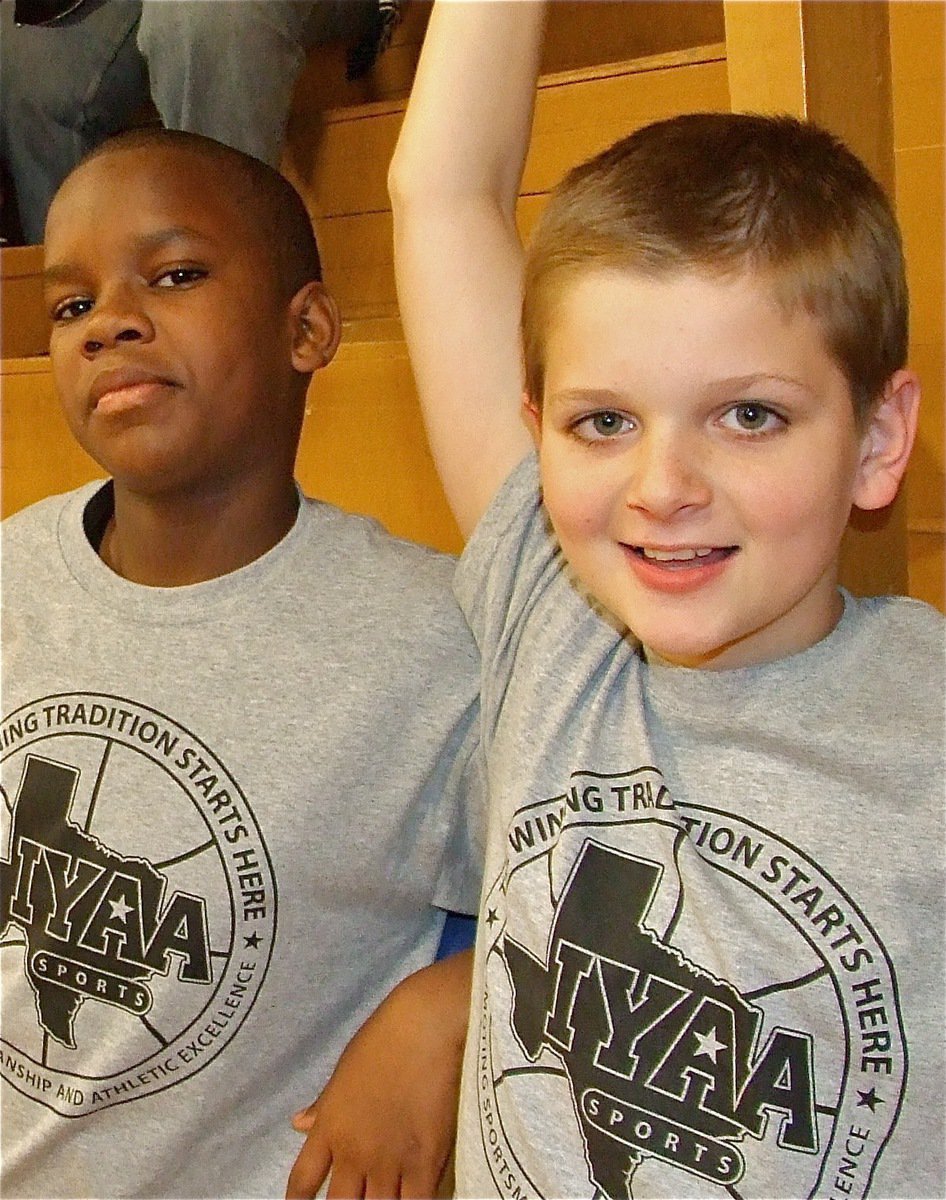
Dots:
{"x": 44, "y": 514}
{"x": 890, "y": 662}
{"x": 337, "y": 558}
{"x": 350, "y": 565}
{"x": 355, "y": 547}
{"x": 894, "y": 624}
{"x": 510, "y": 531}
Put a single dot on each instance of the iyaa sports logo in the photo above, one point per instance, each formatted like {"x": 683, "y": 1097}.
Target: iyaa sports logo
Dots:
{"x": 138, "y": 906}
{"x": 647, "y": 1052}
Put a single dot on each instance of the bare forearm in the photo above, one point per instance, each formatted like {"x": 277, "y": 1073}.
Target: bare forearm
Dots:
{"x": 444, "y": 989}
{"x": 466, "y": 131}
{"x": 385, "y": 1123}
{"x": 458, "y": 258}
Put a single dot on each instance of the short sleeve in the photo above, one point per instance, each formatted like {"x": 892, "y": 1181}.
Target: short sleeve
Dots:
{"x": 509, "y": 562}
{"x": 462, "y": 779}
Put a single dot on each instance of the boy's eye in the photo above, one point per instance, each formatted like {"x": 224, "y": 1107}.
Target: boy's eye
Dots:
{"x": 179, "y": 277}
{"x": 602, "y": 425}
{"x": 68, "y": 310}
{"x": 752, "y": 417}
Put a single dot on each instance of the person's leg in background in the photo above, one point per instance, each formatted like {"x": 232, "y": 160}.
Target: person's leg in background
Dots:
{"x": 67, "y": 86}
{"x": 228, "y": 70}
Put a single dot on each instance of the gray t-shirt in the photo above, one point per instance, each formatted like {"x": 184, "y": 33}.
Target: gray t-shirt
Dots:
{"x": 710, "y": 955}
{"x": 229, "y": 813}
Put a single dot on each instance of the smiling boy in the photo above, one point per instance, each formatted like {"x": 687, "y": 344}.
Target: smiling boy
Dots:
{"x": 718, "y": 538}
{"x": 710, "y": 950}
{"x": 234, "y": 719}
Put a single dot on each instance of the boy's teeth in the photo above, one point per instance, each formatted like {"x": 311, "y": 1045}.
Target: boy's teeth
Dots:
{"x": 676, "y": 555}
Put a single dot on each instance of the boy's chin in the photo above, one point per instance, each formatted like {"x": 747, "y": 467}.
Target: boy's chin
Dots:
{"x": 686, "y": 658}
{"x": 752, "y": 648}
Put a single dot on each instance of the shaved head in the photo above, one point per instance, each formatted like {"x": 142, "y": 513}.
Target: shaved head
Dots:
{"x": 269, "y": 202}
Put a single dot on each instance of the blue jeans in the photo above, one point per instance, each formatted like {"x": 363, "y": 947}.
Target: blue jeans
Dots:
{"x": 66, "y": 87}
{"x": 224, "y": 68}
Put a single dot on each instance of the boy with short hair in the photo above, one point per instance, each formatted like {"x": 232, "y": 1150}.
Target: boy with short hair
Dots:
{"x": 235, "y": 720}
{"x": 710, "y": 950}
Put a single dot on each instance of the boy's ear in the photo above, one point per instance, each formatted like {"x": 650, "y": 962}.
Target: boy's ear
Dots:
{"x": 316, "y": 327}
{"x": 887, "y": 442}
{"x": 533, "y": 416}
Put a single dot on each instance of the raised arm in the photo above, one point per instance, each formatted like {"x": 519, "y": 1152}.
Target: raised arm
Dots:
{"x": 454, "y": 180}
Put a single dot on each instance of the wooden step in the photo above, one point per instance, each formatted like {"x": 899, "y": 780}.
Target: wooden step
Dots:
{"x": 364, "y": 448}
{"x": 578, "y": 33}
{"x": 577, "y": 114}
{"x": 24, "y": 329}
{"x": 38, "y": 455}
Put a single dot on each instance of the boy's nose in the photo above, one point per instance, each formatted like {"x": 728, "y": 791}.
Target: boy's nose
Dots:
{"x": 667, "y": 475}
{"x": 116, "y": 318}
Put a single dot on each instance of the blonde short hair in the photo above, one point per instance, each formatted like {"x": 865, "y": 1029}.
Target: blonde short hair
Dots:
{"x": 724, "y": 193}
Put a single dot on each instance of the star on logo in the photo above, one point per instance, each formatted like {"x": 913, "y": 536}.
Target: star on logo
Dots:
{"x": 120, "y": 909}
{"x": 491, "y": 918}
{"x": 708, "y": 1045}
{"x": 252, "y": 940}
{"x": 869, "y": 1100}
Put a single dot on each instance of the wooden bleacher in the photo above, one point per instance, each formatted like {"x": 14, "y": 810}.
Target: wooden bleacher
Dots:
{"x": 363, "y": 445}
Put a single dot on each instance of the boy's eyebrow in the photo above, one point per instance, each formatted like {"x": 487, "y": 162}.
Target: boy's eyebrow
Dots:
{"x": 589, "y": 395}
{"x": 740, "y": 382}
{"x": 610, "y": 396}
{"x": 146, "y": 242}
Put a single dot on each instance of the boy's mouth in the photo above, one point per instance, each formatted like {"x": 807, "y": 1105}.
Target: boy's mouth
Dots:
{"x": 118, "y": 390}
{"x": 683, "y": 557}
